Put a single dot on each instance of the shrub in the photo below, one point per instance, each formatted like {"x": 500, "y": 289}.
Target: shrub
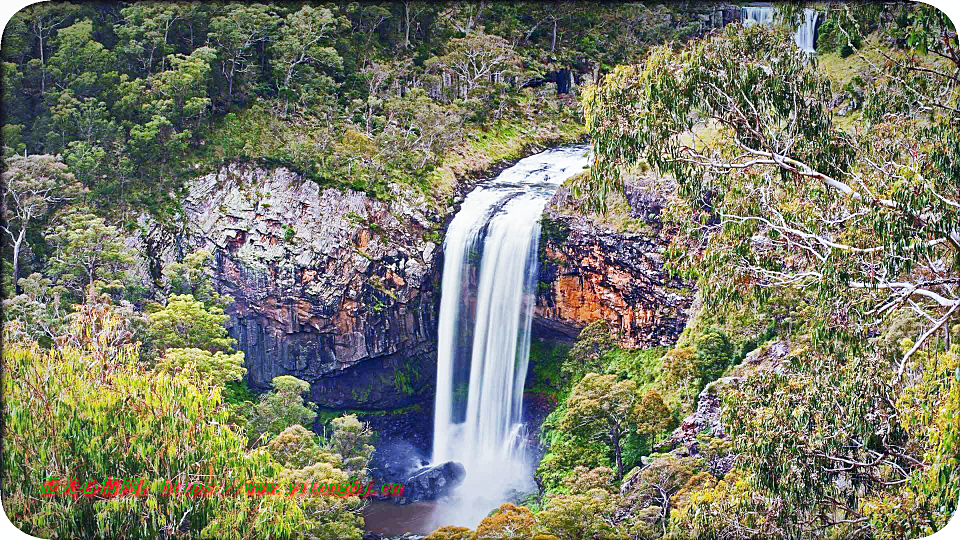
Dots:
{"x": 509, "y": 522}
{"x": 281, "y": 408}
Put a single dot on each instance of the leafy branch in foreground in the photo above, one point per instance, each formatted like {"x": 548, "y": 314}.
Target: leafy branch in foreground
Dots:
{"x": 864, "y": 221}
{"x": 848, "y": 235}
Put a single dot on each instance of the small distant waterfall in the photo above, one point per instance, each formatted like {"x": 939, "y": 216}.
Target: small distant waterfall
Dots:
{"x": 806, "y": 32}
{"x": 486, "y": 309}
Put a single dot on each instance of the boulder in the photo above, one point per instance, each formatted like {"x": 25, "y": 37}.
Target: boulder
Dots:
{"x": 432, "y": 483}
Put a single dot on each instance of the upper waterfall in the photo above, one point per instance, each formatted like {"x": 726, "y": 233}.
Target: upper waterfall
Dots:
{"x": 805, "y": 36}
{"x": 487, "y": 300}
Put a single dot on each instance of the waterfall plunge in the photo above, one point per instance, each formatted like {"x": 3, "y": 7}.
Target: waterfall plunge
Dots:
{"x": 486, "y": 308}
{"x": 806, "y": 32}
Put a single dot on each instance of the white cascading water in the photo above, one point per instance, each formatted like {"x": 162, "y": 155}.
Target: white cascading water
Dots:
{"x": 806, "y": 32}
{"x": 486, "y": 308}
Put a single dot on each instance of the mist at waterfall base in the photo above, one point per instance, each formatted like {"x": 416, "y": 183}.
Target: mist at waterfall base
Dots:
{"x": 486, "y": 309}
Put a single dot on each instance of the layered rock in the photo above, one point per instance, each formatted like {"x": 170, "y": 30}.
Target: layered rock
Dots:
{"x": 330, "y": 286}
{"x": 592, "y": 270}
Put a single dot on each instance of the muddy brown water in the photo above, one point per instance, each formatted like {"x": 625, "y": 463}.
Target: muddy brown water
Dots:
{"x": 389, "y": 519}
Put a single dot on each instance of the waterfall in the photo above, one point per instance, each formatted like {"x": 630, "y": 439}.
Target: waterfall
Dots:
{"x": 806, "y": 33}
{"x": 486, "y": 308}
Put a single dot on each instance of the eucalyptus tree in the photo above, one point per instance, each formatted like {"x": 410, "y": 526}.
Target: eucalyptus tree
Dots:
{"x": 145, "y": 34}
{"x": 41, "y": 22}
{"x": 782, "y": 197}
{"x": 304, "y": 45}
{"x": 33, "y": 186}
{"x": 237, "y": 32}
{"x": 87, "y": 252}
{"x": 81, "y": 63}
{"x": 601, "y": 407}
{"x": 846, "y": 231}
{"x": 477, "y": 60}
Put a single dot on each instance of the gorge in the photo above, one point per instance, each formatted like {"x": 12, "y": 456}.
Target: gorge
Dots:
{"x": 562, "y": 271}
{"x": 383, "y": 320}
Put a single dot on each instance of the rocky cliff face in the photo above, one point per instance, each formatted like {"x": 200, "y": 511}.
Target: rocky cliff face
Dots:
{"x": 332, "y": 287}
{"x": 590, "y": 270}
{"x": 342, "y": 290}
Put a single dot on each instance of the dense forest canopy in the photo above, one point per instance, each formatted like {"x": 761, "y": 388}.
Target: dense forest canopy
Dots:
{"x": 135, "y": 99}
{"x": 124, "y": 88}
{"x": 814, "y": 220}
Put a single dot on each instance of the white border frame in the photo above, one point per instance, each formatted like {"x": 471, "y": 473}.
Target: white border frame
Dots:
{"x": 9, "y": 531}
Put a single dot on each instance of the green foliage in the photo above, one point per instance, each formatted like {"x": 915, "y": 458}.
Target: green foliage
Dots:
{"x": 450, "y": 532}
{"x": 330, "y": 518}
{"x": 732, "y": 508}
{"x": 238, "y": 393}
{"x": 595, "y": 339}
{"x": 36, "y": 314}
{"x": 547, "y": 359}
{"x": 690, "y": 368}
{"x": 509, "y": 522}
{"x": 640, "y": 365}
{"x": 351, "y": 439}
{"x": 187, "y": 323}
{"x": 303, "y": 47}
{"x": 34, "y": 186}
{"x": 307, "y": 460}
{"x": 655, "y": 491}
{"x": 581, "y": 517}
{"x": 803, "y": 463}
{"x": 237, "y": 34}
{"x": 88, "y": 252}
{"x": 193, "y": 276}
{"x": 568, "y": 450}
{"x": 929, "y": 409}
{"x": 600, "y": 407}
{"x": 582, "y": 480}
{"x": 651, "y": 413}
{"x": 714, "y": 353}
{"x": 404, "y": 377}
{"x": 480, "y": 61}
{"x": 553, "y": 231}
{"x": 297, "y": 447}
{"x": 90, "y": 417}
{"x": 218, "y": 367}
{"x": 280, "y": 408}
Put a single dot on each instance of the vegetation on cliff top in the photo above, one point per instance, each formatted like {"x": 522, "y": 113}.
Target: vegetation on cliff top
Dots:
{"x": 136, "y": 98}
